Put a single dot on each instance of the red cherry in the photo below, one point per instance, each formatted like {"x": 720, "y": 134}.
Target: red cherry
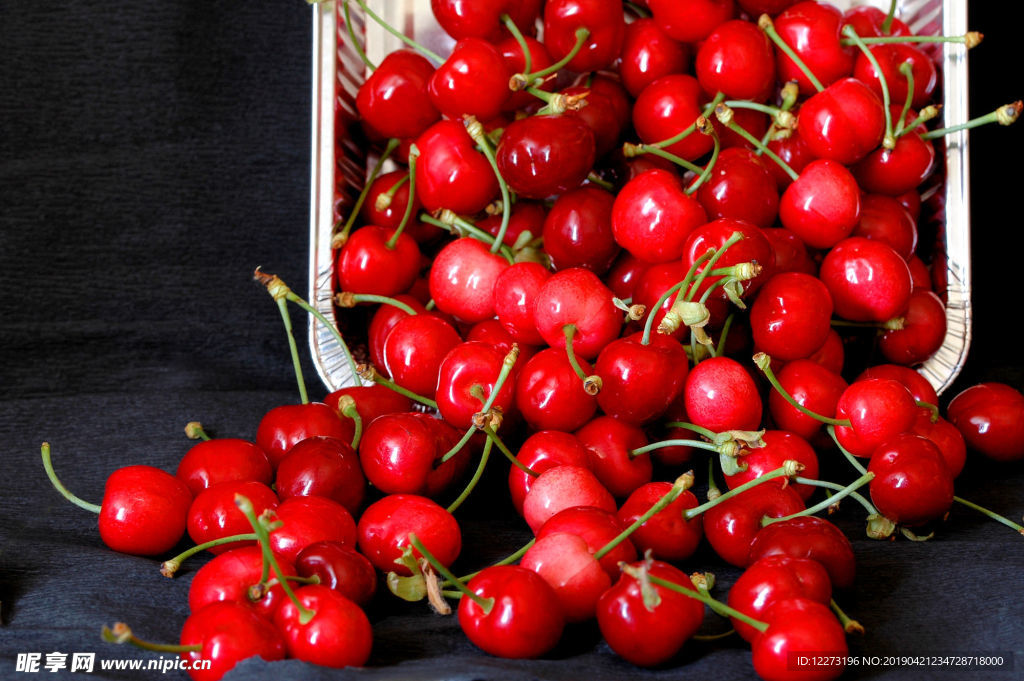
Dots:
{"x": 737, "y": 59}
{"x": 832, "y": 354}
{"x": 305, "y": 520}
{"x": 568, "y": 566}
{"x": 543, "y": 450}
{"x": 808, "y": 537}
{"x": 912, "y": 484}
{"x": 393, "y": 102}
{"x": 606, "y": 111}
{"x": 668, "y": 106}
{"x": 578, "y": 230}
{"x": 652, "y": 284}
{"x": 526, "y": 216}
{"x": 524, "y": 620}
{"x": 366, "y": 264}
{"x": 812, "y": 386}
{"x": 223, "y": 460}
{"x": 753, "y": 122}
{"x": 690, "y": 21}
{"x": 371, "y": 400}
{"x": 229, "y": 577}
{"x": 414, "y": 350}
{"x": 340, "y": 568}
{"x": 797, "y": 625}
{"x": 213, "y": 513}
{"x": 652, "y": 216}
{"x": 550, "y": 395}
{"x": 228, "y": 632}
{"x": 385, "y": 526}
{"x": 562, "y": 487}
{"x": 639, "y": 381}
{"x": 609, "y": 443}
{"x": 324, "y": 467}
{"x": 822, "y": 205}
{"x": 878, "y": 409}
{"x": 400, "y": 454}
{"x": 918, "y": 385}
{"x": 339, "y": 635}
{"x": 649, "y": 53}
{"x": 473, "y": 80}
{"x": 283, "y": 427}
{"x": 143, "y": 511}
{"x": 899, "y": 170}
{"x": 775, "y": 578}
{"x": 462, "y": 279}
{"x": 812, "y": 29}
{"x": 779, "y": 446}
{"x": 450, "y": 172}
{"x": 740, "y": 187}
{"x": 514, "y": 292}
{"x": 919, "y": 273}
{"x": 384, "y": 319}
{"x": 945, "y": 437}
{"x": 577, "y": 296}
{"x": 756, "y": 8}
{"x": 991, "y": 418}
{"x": 390, "y": 216}
{"x": 602, "y": 18}
{"x": 543, "y": 155}
{"x": 483, "y": 19}
{"x": 890, "y": 58}
{"x": 721, "y": 395}
{"x": 868, "y": 280}
{"x": 885, "y": 219}
{"x": 923, "y": 332}
{"x": 668, "y": 535}
{"x": 625, "y": 272}
{"x": 468, "y": 374}
{"x": 597, "y": 527}
{"x": 867, "y": 21}
{"x": 733, "y": 524}
{"x": 844, "y": 122}
{"x": 792, "y": 316}
{"x": 753, "y": 248}
{"x": 676, "y": 455}
{"x": 793, "y": 151}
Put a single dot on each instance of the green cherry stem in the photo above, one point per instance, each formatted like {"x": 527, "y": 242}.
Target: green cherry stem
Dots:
{"x": 682, "y": 483}
{"x": 347, "y": 408}
{"x": 393, "y": 241}
{"x": 279, "y": 292}
{"x": 845, "y": 452}
{"x": 476, "y": 131}
{"x": 700, "y": 430}
{"x": 508, "y": 452}
{"x": 850, "y": 625}
{"x": 970, "y": 39}
{"x": 822, "y": 505}
{"x": 512, "y": 28}
{"x": 691, "y": 128}
{"x": 352, "y": 36}
{"x": 507, "y": 560}
{"x": 835, "y": 486}
{"x": 521, "y": 80}
{"x": 715, "y": 605}
{"x": 789, "y": 469}
{"x": 720, "y": 347}
{"x": 907, "y": 69}
{"x": 1004, "y": 115}
{"x": 696, "y": 444}
{"x": 725, "y": 116}
{"x": 708, "y": 266}
{"x": 705, "y": 127}
{"x": 713, "y": 491}
{"x": 348, "y": 299}
{"x": 889, "y": 140}
{"x": 59, "y": 486}
{"x": 486, "y": 603}
{"x": 429, "y": 54}
{"x": 764, "y": 22}
{"x": 368, "y": 372}
{"x": 790, "y": 94}
{"x": 484, "y": 413}
{"x": 339, "y": 238}
{"x": 991, "y": 514}
{"x": 591, "y": 384}
{"x": 121, "y": 633}
{"x": 170, "y": 566}
{"x": 449, "y": 221}
{"x": 630, "y": 150}
{"x": 194, "y": 431}
{"x": 471, "y": 485}
{"x": 887, "y": 23}
{"x": 764, "y": 362}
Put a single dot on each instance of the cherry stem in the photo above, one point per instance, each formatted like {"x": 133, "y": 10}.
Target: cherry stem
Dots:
{"x": 263, "y": 537}
{"x": 603, "y": 184}
{"x": 850, "y": 625}
{"x": 59, "y": 486}
{"x": 637, "y": 10}
{"x": 889, "y": 140}
{"x": 170, "y": 566}
{"x": 907, "y": 69}
{"x": 667, "y": 155}
{"x": 894, "y": 324}
{"x": 710, "y": 264}
{"x": 369, "y": 372}
{"x": 398, "y": 34}
{"x": 713, "y": 491}
{"x": 120, "y": 633}
{"x": 471, "y": 485}
{"x": 789, "y": 469}
{"x": 991, "y": 514}
{"x": 1004, "y": 115}
{"x": 887, "y": 23}
{"x": 512, "y": 28}
{"x": 790, "y": 93}
{"x": 194, "y": 431}
{"x": 688, "y": 130}
{"x": 682, "y": 483}
{"x": 720, "y": 348}
{"x": 724, "y": 115}
{"x": 484, "y": 413}
{"x": 923, "y": 116}
{"x": 460, "y": 226}
{"x": 352, "y": 36}
{"x": 530, "y": 78}
{"x": 569, "y": 330}
{"x": 390, "y": 193}
{"x": 280, "y": 288}
{"x": 697, "y": 444}
{"x": 340, "y": 237}
{"x": 507, "y": 560}
{"x": 970, "y": 39}
{"x": 934, "y": 409}
{"x": 707, "y": 129}
{"x": 293, "y": 348}
{"x": 485, "y": 603}
{"x": 835, "y": 486}
{"x": 765, "y": 23}
{"x": 700, "y": 430}
{"x": 649, "y": 324}
{"x": 772, "y": 111}
{"x": 715, "y": 605}
{"x": 348, "y": 408}
{"x": 822, "y": 505}
{"x": 508, "y": 453}
{"x": 764, "y": 363}
{"x": 390, "y": 245}
{"x": 476, "y": 131}
{"x": 349, "y": 299}
{"x": 845, "y": 452}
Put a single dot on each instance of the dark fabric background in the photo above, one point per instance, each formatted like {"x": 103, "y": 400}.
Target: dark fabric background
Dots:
{"x": 151, "y": 156}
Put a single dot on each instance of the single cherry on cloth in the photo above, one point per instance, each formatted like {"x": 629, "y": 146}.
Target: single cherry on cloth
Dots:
{"x": 646, "y": 624}
{"x": 733, "y": 525}
{"x": 223, "y": 460}
{"x": 668, "y": 534}
{"x": 231, "y": 576}
{"x": 549, "y": 394}
{"x": 472, "y": 81}
{"x": 523, "y": 618}
{"x": 610, "y": 443}
{"x": 720, "y": 394}
{"x": 562, "y": 487}
{"x": 324, "y": 467}
{"x": 144, "y": 510}
{"x": 738, "y": 60}
{"x": 649, "y": 53}
{"x": 578, "y": 230}
{"x": 414, "y": 350}
{"x": 668, "y": 106}
{"x": 228, "y": 632}
{"x": 878, "y": 409}
{"x": 811, "y": 386}
{"x": 214, "y": 515}
{"x": 991, "y": 418}
{"x": 283, "y": 427}
{"x": 605, "y": 25}
{"x": 808, "y": 537}
{"x": 843, "y": 122}
{"x": 545, "y": 154}
{"x": 922, "y": 333}
{"x": 393, "y": 102}
{"x": 338, "y": 635}
{"x": 912, "y": 483}
{"x": 305, "y": 520}
{"x": 639, "y": 381}
{"x": 652, "y": 216}
{"x": 812, "y": 29}
{"x": 400, "y": 454}
{"x": 339, "y": 567}
{"x": 779, "y": 446}
{"x": 868, "y": 280}
{"x": 462, "y": 279}
{"x": 542, "y": 450}
{"x": 797, "y": 625}
{"x": 579, "y": 298}
{"x": 740, "y": 187}
{"x": 792, "y": 316}
{"x": 385, "y": 526}
{"x": 450, "y": 172}
{"x": 370, "y": 263}
{"x": 514, "y": 292}
{"x": 822, "y": 206}
{"x": 773, "y": 578}
{"x": 690, "y": 21}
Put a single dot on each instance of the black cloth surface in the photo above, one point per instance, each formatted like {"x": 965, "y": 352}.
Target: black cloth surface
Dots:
{"x": 151, "y": 156}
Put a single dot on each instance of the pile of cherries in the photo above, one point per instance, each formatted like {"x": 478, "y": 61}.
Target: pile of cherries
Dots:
{"x": 620, "y": 242}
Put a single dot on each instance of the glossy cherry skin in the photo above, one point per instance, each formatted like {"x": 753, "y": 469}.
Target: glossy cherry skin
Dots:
{"x": 606, "y": 112}
{"x": 525, "y": 620}
{"x": 868, "y": 280}
{"x": 912, "y": 484}
{"x": 808, "y": 537}
{"x": 306, "y": 520}
{"x": 652, "y": 216}
{"x": 562, "y": 487}
{"x": 514, "y": 292}
{"x": 945, "y": 437}
{"x": 812, "y": 386}
{"x": 461, "y": 19}
{"x": 567, "y": 565}
{"x": 213, "y": 513}
{"x": 732, "y": 525}
{"x": 324, "y": 467}
{"x": 372, "y": 400}
{"x": 774, "y": 578}
{"x": 648, "y": 53}
{"x": 603, "y": 18}
{"x": 647, "y": 636}
{"x": 546, "y": 154}
{"x": 899, "y": 170}
{"x": 393, "y": 102}
{"x": 228, "y": 632}
{"x": 400, "y": 453}
{"x": 383, "y": 320}
{"x": 923, "y": 332}
{"x": 740, "y": 187}
{"x": 738, "y": 60}
{"x": 609, "y": 443}
{"x": 844, "y": 122}
{"x": 597, "y": 527}
{"x": 812, "y": 29}
{"x": 990, "y": 416}
{"x": 779, "y": 446}
{"x": 879, "y": 409}
{"x": 795, "y": 152}
{"x": 867, "y": 21}
{"x": 756, "y": 8}
{"x": 885, "y": 219}
{"x": 792, "y": 316}
{"x": 390, "y": 216}
{"x": 625, "y": 272}
{"x": 752, "y": 248}
{"x": 639, "y": 381}
{"x": 549, "y": 394}
{"x": 690, "y": 21}
{"x": 223, "y": 460}
{"x": 462, "y": 279}
{"x": 675, "y": 456}
{"x": 450, "y": 172}
{"x": 822, "y": 206}
{"x": 918, "y": 385}
{"x": 229, "y": 576}
{"x": 414, "y": 350}
{"x": 890, "y": 58}
{"x": 283, "y": 427}
{"x": 472, "y": 81}
{"x": 654, "y": 282}
{"x": 338, "y": 636}
{"x": 797, "y": 625}
{"x": 577, "y": 296}
{"x": 578, "y": 230}
{"x": 339, "y": 567}
{"x": 466, "y": 368}
{"x": 512, "y": 53}
{"x": 366, "y": 264}
{"x": 668, "y": 106}
{"x": 385, "y": 526}
{"x": 668, "y": 535}
{"x": 143, "y": 511}
{"x": 543, "y": 450}
{"x": 721, "y": 395}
